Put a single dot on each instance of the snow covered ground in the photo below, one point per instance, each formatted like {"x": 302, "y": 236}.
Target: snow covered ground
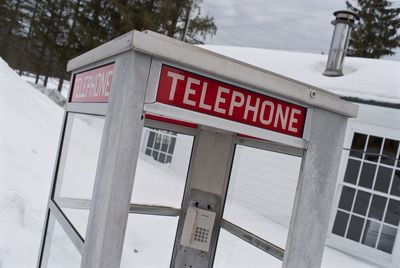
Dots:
{"x": 30, "y": 126}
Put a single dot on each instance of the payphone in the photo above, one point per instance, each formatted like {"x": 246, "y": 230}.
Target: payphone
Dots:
{"x": 153, "y": 81}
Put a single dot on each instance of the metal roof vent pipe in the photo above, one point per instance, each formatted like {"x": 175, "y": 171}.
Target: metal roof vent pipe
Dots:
{"x": 344, "y": 23}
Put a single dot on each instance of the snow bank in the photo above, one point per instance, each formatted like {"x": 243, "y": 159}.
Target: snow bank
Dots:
{"x": 30, "y": 125}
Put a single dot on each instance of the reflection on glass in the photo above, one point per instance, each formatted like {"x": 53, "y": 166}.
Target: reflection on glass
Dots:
{"x": 162, "y": 168}
{"x": 233, "y": 252}
{"x": 358, "y": 145}
{"x": 386, "y": 241}
{"x": 149, "y": 241}
{"x": 373, "y": 148}
{"x": 389, "y": 151}
{"x": 63, "y": 254}
{"x": 78, "y": 164}
{"x": 371, "y": 233}
{"x": 261, "y": 192}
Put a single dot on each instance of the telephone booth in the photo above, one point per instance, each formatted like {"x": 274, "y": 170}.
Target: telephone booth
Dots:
{"x": 174, "y": 156}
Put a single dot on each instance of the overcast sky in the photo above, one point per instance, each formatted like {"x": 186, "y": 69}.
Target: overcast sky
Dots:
{"x": 297, "y": 25}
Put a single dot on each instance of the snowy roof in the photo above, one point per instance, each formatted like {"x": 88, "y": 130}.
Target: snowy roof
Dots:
{"x": 366, "y": 79}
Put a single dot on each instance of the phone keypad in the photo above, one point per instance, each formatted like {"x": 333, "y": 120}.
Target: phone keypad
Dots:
{"x": 201, "y": 235}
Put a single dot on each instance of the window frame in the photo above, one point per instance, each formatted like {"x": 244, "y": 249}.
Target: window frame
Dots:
{"x": 54, "y": 212}
{"x": 345, "y": 244}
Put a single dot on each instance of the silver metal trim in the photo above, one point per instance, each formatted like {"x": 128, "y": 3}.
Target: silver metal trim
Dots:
{"x": 46, "y": 224}
{"x": 87, "y": 108}
{"x": 154, "y": 210}
{"x": 74, "y": 203}
{"x": 252, "y": 239}
{"x": 269, "y": 146}
{"x": 73, "y": 235}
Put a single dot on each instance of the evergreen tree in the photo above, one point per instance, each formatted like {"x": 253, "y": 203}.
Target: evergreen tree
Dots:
{"x": 40, "y": 36}
{"x": 376, "y": 34}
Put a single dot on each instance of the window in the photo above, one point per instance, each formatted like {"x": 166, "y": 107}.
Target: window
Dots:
{"x": 78, "y": 165}
{"x": 369, "y": 205}
{"x": 161, "y": 145}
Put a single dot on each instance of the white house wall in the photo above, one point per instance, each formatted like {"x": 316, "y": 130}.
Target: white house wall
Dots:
{"x": 378, "y": 121}
{"x": 181, "y": 156}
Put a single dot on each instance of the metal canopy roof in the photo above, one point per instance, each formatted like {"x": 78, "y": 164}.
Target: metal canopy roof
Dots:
{"x": 204, "y": 60}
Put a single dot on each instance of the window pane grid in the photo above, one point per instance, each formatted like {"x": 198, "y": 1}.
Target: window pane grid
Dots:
{"x": 372, "y": 191}
{"x": 161, "y": 145}
{"x": 371, "y": 171}
{"x": 367, "y": 218}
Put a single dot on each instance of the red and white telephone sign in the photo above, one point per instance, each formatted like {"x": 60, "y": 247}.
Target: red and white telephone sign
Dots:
{"x": 93, "y": 85}
{"x": 194, "y": 92}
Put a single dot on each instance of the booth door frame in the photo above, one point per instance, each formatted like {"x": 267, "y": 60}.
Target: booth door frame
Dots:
{"x": 210, "y": 168}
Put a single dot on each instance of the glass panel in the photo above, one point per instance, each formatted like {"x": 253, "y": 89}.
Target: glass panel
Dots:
{"x": 162, "y": 158}
{"x": 148, "y": 151}
{"x": 388, "y": 236}
{"x": 172, "y": 145}
{"x": 62, "y": 254}
{"x": 377, "y": 207}
{"x": 371, "y": 233}
{"x": 165, "y": 143}
{"x": 155, "y": 155}
{"x": 373, "y": 148}
{"x": 389, "y": 151}
{"x": 347, "y": 197}
{"x": 78, "y": 164}
{"x": 233, "y": 252}
{"x": 358, "y": 145}
{"x": 393, "y": 212}
{"x": 367, "y": 175}
{"x": 157, "y": 144}
{"x": 383, "y": 179}
{"x": 396, "y": 184}
{"x": 261, "y": 192}
{"x": 159, "y": 183}
{"x": 150, "y": 141}
{"x": 353, "y": 167}
{"x": 355, "y": 228}
{"x": 339, "y": 227}
{"x": 149, "y": 241}
{"x": 362, "y": 201}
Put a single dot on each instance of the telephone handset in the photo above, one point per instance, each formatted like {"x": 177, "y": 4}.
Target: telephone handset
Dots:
{"x": 197, "y": 228}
